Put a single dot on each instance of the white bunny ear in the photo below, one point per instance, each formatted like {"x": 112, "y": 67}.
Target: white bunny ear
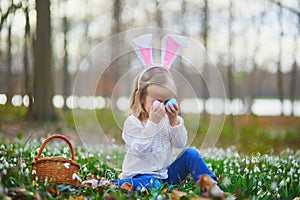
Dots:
{"x": 171, "y": 45}
{"x": 143, "y": 48}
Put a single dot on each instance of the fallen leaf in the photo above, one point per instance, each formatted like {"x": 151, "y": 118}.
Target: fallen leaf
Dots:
{"x": 176, "y": 195}
{"x": 126, "y": 186}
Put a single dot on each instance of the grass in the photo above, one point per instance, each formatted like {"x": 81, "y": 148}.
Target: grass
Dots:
{"x": 256, "y": 176}
{"x": 254, "y": 157}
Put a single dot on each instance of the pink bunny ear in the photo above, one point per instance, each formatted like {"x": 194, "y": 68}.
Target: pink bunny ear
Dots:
{"x": 143, "y": 48}
{"x": 171, "y": 45}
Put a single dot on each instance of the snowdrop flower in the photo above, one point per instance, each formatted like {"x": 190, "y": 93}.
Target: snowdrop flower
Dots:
{"x": 259, "y": 183}
{"x": 23, "y": 165}
{"x": 288, "y": 180}
{"x": 281, "y": 184}
{"x": 1, "y": 166}
{"x": 75, "y": 176}
{"x": 66, "y": 150}
{"x": 56, "y": 151}
{"x": 6, "y": 164}
{"x": 259, "y": 191}
{"x": 26, "y": 171}
{"x": 4, "y": 172}
{"x": 67, "y": 165}
{"x": 226, "y": 181}
{"x": 33, "y": 172}
{"x": 256, "y": 169}
{"x": 85, "y": 169}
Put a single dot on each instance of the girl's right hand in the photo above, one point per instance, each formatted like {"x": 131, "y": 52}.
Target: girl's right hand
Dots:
{"x": 157, "y": 113}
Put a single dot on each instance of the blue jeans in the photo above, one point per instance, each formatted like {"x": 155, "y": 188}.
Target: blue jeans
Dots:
{"x": 188, "y": 161}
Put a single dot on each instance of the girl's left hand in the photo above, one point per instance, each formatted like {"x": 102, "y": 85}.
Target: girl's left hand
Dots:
{"x": 172, "y": 112}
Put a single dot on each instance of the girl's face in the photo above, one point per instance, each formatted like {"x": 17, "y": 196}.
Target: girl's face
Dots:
{"x": 156, "y": 92}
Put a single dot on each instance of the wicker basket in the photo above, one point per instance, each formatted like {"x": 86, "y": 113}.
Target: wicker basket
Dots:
{"x": 58, "y": 170}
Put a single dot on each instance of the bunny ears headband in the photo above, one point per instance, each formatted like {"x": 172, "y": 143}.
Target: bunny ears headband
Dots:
{"x": 171, "y": 45}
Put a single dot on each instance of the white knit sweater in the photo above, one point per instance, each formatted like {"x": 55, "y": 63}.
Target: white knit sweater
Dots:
{"x": 149, "y": 146}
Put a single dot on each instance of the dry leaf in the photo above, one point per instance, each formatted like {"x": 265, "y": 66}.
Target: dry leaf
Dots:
{"x": 126, "y": 186}
{"x": 176, "y": 195}
{"x": 205, "y": 181}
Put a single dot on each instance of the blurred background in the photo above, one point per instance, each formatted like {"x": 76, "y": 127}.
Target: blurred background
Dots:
{"x": 254, "y": 44}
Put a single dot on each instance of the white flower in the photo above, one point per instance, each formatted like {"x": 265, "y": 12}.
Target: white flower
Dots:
{"x": 33, "y": 172}
{"x": 1, "y": 166}
{"x": 288, "y": 179}
{"x": 226, "y": 181}
{"x": 66, "y": 150}
{"x": 75, "y": 176}
{"x": 27, "y": 171}
{"x": 281, "y": 184}
{"x": 23, "y": 165}
{"x": 4, "y": 172}
{"x": 160, "y": 197}
{"x": 256, "y": 169}
{"x": 67, "y": 165}
{"x": 85, "y": 169}
{"x": 259, "y": 183}
{"x": 6, "y": 164}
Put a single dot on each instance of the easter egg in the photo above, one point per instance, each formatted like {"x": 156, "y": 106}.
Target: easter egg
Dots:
{"x": 170, "y": 102}
{"x": 155, "y": 103}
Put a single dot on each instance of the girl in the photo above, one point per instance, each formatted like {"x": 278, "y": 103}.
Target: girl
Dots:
{"x": 153, "y": 129}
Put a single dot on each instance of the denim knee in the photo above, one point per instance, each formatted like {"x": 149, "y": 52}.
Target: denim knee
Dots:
{"x": 191, "y": 152}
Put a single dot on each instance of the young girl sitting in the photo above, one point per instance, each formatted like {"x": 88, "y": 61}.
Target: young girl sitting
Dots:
{"x": 152, "y": 128}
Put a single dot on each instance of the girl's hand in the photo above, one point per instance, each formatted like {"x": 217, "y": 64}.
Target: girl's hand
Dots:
{"x": 172, "y": 112}
{"x": 157, "y": 113}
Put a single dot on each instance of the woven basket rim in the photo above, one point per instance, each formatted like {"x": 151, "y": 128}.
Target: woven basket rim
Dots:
{"x": 55, "y": 159}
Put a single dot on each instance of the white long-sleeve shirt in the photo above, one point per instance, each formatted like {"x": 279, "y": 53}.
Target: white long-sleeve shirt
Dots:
{"x": 149, "y": 146}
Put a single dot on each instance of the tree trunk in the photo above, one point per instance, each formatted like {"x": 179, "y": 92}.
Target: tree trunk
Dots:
{"x": 42, "y": 108}
{"x": 230, "y": 69}
{"x": 9, "y": 89}
{"x": 27, "y": 85}
{"x": 295, "y": 68}
{"x": 113, "y": 70}
{"x": 279, "y": 62}
{"x": 66, "y": 80}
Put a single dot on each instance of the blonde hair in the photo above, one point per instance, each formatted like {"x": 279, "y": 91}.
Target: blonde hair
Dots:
{"x": 154, "y": 75}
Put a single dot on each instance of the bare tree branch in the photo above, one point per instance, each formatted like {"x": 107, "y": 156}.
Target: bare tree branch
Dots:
{"x": 12, "y": 8}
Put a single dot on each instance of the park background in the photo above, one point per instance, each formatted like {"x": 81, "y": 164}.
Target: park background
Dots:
{"x": 254, "y": 44}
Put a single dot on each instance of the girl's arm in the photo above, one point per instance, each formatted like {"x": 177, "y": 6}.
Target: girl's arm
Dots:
{"x": 138, "y": 138}
{"x": 178, "y": 134}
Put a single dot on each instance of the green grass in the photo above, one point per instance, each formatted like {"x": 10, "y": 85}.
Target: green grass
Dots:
{"x": 252, "y": 160}
{"x": 256, "y": 176}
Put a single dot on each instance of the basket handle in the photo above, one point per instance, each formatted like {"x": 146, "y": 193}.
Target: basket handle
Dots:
{"x": 51, "y": 138}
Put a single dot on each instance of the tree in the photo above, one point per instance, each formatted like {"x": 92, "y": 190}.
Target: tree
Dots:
{"x": 42, "y": 108}
{"x": 67, "y": 87}
{"x": 294, "y": 71}
{"x": 27, "y": 38}
{"x": 279, "y": 61}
